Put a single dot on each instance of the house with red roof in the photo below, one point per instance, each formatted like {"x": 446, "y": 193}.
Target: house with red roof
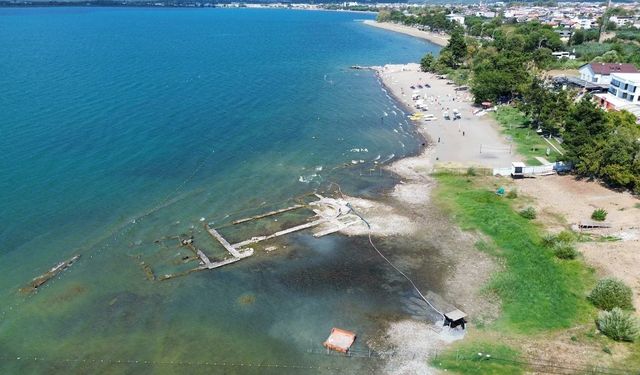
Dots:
{"x": 601, "y": 72}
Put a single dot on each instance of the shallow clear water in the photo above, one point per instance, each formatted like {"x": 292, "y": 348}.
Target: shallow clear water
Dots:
{"x": 124, "y": 126}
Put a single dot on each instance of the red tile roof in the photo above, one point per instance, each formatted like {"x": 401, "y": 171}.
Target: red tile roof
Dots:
{"x": 608, "y": 68}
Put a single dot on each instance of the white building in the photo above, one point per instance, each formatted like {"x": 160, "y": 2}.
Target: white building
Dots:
{"x": 601, "y": 72}
{"x": 486, "y": 14}
{"x": 625, "y": 86}
{"x": 456, "y": 18}
{"x": 621, "y": 21}
{"x": 623, "y": 93}
{"x": 563, "y": 55}
{"x": 584, "y": 23}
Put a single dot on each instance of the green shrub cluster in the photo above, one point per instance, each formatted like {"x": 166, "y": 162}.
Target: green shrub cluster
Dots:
{"x": 561, "y": 244}
{"x": 471, "y": 171}
{"x": 599, "y": 214}
{"x": 610, "y": 293}
{"x": 618, "y": 325}
{"x": 528, "y": 213}
{"x": 565, "y": 251}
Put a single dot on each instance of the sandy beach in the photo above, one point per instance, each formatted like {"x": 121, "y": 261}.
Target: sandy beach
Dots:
{"x": 435, "y": 38}
{"x": 474, "y": 139}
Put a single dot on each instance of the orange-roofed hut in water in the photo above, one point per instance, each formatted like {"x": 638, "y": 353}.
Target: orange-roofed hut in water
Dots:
{"x": 340, "y": 340}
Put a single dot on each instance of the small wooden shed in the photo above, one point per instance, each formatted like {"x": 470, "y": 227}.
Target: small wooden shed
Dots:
{"x": 517, "y": 169}
{"x": 455, "y": 318}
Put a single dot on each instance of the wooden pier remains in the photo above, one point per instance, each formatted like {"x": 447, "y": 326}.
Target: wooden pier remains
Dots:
{"x": 53, "y": 272}
{"x": 331, "y": 214}
{"x": 271, "y": 213}
{"x": 214, "y": 233}
{"x": 297, "y": 228}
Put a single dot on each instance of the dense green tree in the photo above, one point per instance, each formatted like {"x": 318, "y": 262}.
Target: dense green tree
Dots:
{"x": 535, "y": 35}
{"x": 620, "y": 164}
{"x": 384, "y": 15}
{"x": 603, "y": 144}
{"x": 445, "y": 61}
{"x": 457, "y": 46}
{"x": 543, "y": 57}
{"x": 547, "y": 108}
{"x": 609, "y": 57}
{"x": 427, "y": 62}
{"x": 578, "y": 37}
{"x": 499, "y": 76}
{"x": 585, "y": 125}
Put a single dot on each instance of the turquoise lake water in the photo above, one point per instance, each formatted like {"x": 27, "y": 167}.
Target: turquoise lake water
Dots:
{"x": 123, "y": 127}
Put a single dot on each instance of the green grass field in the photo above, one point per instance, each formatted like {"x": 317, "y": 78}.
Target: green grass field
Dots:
{"x": 494, "y": 359}
{"x": 528, "y": 143}
{"x": 538, "y": 291}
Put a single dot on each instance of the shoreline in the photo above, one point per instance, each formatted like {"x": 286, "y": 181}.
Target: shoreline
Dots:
{"x": 434, "y": 38}
{"x": 407, "y": 211}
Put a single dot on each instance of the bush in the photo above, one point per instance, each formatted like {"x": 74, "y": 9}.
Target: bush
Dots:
{"x": 599, "y": 215}
{"x": 471, "y": 171}
{"x": 565, "y": 251}
{"x": 566, "y": 236}
{"x": 617, "y": 325}
{"x": 512, "y": 194}
{"x": 528, "y": 213}
{"x": 548, "y": 240}
{"x": 610, "y": 293}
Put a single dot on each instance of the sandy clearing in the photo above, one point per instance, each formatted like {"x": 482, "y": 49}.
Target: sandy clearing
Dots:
{"x": 576, "y": 200}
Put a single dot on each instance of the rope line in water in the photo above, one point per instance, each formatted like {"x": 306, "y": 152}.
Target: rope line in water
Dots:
{"x": 168, "y": 363}
{"x": 393, "y": 265}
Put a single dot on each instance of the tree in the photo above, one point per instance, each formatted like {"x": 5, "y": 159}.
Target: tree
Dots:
{"x": 543, "y": 57}
{"x": 384, "y": 15}
{"x": 499, "y": 75}
{"x": 445, "y": 61}
{"x": 585, "y": 130}
{"x": 427, "y": 62}
{"x": 603, "y": 144}
{"x": 547, "y": 108}
{"x": 609, "y": 57}
{"x": 578, "y": 37}
{"x": 457, "y": 45}
{"x": 620, "y": 156}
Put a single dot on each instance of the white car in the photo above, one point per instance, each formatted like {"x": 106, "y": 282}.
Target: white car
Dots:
{"x": 429, "y": 117}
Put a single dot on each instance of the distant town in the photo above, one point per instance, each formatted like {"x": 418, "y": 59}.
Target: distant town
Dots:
{"x": 565, "y": 16}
